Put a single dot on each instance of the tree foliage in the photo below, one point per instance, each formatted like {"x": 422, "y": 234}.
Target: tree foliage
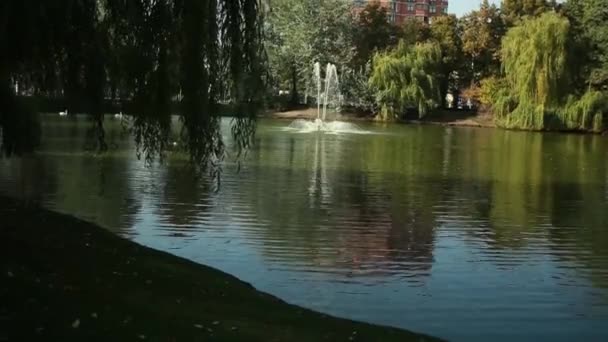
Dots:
{"x": 300, "y": 33}
{"x": 373, "y": 32}
{"x": 537, "y": 64}
{"x": 589, "y": 19}
{"x": 406, "y": 78}
{"x": 144, "y": 52}
{"x": 482, "y": 31}
{"x": 446, "y": 33}
{"x": 516, "y": 9}
{"x": 414, "y": 31}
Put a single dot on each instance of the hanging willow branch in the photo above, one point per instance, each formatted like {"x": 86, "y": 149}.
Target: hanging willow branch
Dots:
{"x": 157, "y": 57}
{"x": 406, "y": 78}
{"x": 538, "y": 64}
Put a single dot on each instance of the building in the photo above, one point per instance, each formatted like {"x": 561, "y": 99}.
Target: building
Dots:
{"x": 400, "y": 10}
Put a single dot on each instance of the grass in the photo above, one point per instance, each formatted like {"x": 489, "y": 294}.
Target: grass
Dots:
{"x": 63, "y": 279}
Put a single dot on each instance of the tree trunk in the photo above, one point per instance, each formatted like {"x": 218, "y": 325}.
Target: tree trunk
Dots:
{"x": 294, "y": 85}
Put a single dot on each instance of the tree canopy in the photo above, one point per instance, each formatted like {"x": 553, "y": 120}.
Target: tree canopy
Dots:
{"x": 300, "y": 33}
{"x": 537, "y": 64}
{"x": 446, "y": 33}
{"x": 373, "y": 32}
{"x": 482, "y": 31}
{"x": 405, "y": 78}
{"x": 515, "y": 9}
{"x": 589, "y": 19}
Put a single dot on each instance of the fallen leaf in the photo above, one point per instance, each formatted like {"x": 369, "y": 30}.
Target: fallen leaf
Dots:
{"x": 76, "y": 324}
{"x": 198, "y": 326}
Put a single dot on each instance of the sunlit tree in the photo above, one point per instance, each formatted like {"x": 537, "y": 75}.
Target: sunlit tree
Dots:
{"x": 537, "y": 64}
{"x": 482, "y": 31}
{"x": 405, "y": 78}
{"x": 446, "y": 33}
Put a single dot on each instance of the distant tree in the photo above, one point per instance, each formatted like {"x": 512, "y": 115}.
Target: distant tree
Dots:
{"x": 406, "y": 77}
{"x": 299, "y": 33}
{"x": 537, "y": 62}
{"x": 373, "y": 32}
{"x": 516, "y": 9}
{"x": 414, "y": 31}
{"x": 446, "y": 33}
{"x": 482, "y": 31}
{"x": 590, "y": 25}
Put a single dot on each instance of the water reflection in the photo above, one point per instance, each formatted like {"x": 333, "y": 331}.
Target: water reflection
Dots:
{"x": 402, "y": 227}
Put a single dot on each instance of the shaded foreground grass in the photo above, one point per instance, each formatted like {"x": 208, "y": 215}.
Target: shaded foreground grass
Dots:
{"x": 64, "y": 279}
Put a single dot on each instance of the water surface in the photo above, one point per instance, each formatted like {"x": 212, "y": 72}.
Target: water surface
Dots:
{"x": 466, "y": 234}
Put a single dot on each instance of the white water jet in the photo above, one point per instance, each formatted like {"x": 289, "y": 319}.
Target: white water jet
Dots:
{"x": 332, "y": 87}
{"x": 317, "y": 77}
{"x": 318, "y": 125}
{"x": 328, "y": 95}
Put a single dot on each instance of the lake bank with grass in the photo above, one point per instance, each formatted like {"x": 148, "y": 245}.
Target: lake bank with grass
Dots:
{"x": 70, "y": 280}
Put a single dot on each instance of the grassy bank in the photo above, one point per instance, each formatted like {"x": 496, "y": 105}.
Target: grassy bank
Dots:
{"x": 63, "y": 279}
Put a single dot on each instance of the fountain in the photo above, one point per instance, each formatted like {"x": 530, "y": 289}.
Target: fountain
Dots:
{"x": 328, "y": 95}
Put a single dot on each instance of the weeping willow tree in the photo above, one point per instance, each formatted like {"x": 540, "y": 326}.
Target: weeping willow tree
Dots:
{"x": 538, "y": 92}
{"x": 155, "y": 56}
{"x": 406, "y": 78}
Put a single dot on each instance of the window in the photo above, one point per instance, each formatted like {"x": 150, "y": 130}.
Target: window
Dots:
{"x": 410, "y": 7}
{"x": 433, "y": 9}
{"x": 445, "y": 10}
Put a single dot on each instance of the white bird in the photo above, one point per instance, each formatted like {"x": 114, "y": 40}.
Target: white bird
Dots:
{"x": 65, "y": 113}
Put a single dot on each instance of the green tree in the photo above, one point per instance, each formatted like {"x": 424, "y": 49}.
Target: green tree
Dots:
{"x": 590, "y": 23}
{"x": 445, "y": 32}
{"x": 414, "y": 31}
{"x": 516, "y": 9}
{"x": 537, "y": 64}
{"x": 405, "y": 78}
{"x": 482, "y": 31}
{"x": 300, "y": 33}
{"x": 373, "y": 32}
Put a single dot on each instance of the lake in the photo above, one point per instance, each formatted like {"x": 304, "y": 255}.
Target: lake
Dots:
{"x": 463, "y": 233}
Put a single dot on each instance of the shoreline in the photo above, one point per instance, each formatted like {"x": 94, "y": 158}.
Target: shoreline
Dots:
{"x": 444, "y": 118}
{"x": 448, "y": 118}
{"x": 70, "y": 280}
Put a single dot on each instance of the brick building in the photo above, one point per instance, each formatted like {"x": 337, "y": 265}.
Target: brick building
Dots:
{"x": 400, "y": 10}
